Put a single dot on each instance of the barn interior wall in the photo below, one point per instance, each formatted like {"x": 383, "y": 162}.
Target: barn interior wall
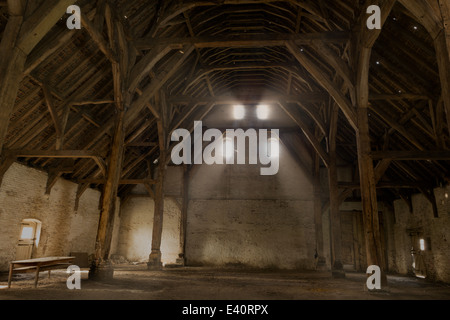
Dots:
{"x": 64, "y": 230}
{"x": 434, "y": 230}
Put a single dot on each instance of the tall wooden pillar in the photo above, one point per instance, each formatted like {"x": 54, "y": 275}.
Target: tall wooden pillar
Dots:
{"x": 374, "y": 249}
{"x": 183, "y": 220}
{"x": 337, "y": 267}
{"x": 101, "y": 268}
{"x": 320, "y": 257}
{"x": 154, "y": 261}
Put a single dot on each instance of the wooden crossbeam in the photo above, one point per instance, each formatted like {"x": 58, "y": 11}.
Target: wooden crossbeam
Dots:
{"x": 258, "y": 41}
{"x": 75, "y": 154}
{"x": 121, "y": 181}
{"x": 325, "y": 82}
{"x": 268, "y": 98}
{"x": 411, "y": 155}
{"x": 307, "y": 131}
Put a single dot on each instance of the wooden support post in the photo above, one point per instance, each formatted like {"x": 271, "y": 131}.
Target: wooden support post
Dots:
{"x": 363, "y": 44}
{"x": 101, "y": 268}
{"x": 154, "y": 261}
{"x": 374, "y": 250}
{"x": 183, "y": 221}
{"x": 337, "y": 267}
{"x": 320, "y": 258}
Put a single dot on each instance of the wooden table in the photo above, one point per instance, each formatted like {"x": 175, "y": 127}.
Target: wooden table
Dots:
{"x": 38, "y": 265}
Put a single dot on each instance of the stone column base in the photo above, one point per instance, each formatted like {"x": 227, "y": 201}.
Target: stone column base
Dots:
{"x": 154, "y": 261}
{"x": 337, "y": 270}
{"x": 102, "y": 271}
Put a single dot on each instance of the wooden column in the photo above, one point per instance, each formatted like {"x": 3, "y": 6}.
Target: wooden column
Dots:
{"x": 154, "y": 261}
{"x": 337, "y": 267}
{"x": 184, "y": 210}
{"x": 320, "y": 258}
{"x": 101, "y": 268}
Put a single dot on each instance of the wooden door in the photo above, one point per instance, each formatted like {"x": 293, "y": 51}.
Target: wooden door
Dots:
{"x": 26, "y": 241}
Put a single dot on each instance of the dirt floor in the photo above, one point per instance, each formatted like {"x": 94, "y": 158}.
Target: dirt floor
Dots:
{"x": 135, "y": 282}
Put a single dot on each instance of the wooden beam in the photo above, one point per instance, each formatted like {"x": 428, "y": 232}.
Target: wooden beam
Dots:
{"x": 264, "y": 40}
{"x": 307, "y": 132}
{"x": 40, "y": 22}
{"x": 338, "y": 64}
{"x": 98, "y": 38}
{"x": 399, "y": 96}
{"x": 363, "y": 43}
{"x": 108, "y": 203}
{"x": 12, "y": 61}
{"x": 425, "y": 14}
{"x": 146, "y": 64}
{"x": 388, "y": 185}
{"x": 337, "y": 267}
{"x": 268, "y": 98}
{"x": 325, "y": 82}
{"x": 54, "y": 114}
{"x": 411, "y": 155}
{"x": 77, "y": 154}
{"x": 442, "y": 55}
{"x": 21, "y": 37}
{"x": 154, "y": 261}
{"x": 121, "y": 181}
{"x": 155, "y": 85}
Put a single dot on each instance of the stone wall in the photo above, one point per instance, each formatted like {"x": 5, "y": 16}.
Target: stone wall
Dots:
{"x": 22, "y": 196}
{"x": 434, "y": 230}
{"x": 238, "y": 217}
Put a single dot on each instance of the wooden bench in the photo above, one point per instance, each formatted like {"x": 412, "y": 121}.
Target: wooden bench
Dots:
{"x": 38, "y": 265}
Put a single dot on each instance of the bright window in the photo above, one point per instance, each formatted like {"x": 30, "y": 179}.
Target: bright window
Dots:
{"x": 422, "y": 244}
{"x": 27, "y": 233}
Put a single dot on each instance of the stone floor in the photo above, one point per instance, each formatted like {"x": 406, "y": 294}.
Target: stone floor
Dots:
{"x": 134, "y": 282}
